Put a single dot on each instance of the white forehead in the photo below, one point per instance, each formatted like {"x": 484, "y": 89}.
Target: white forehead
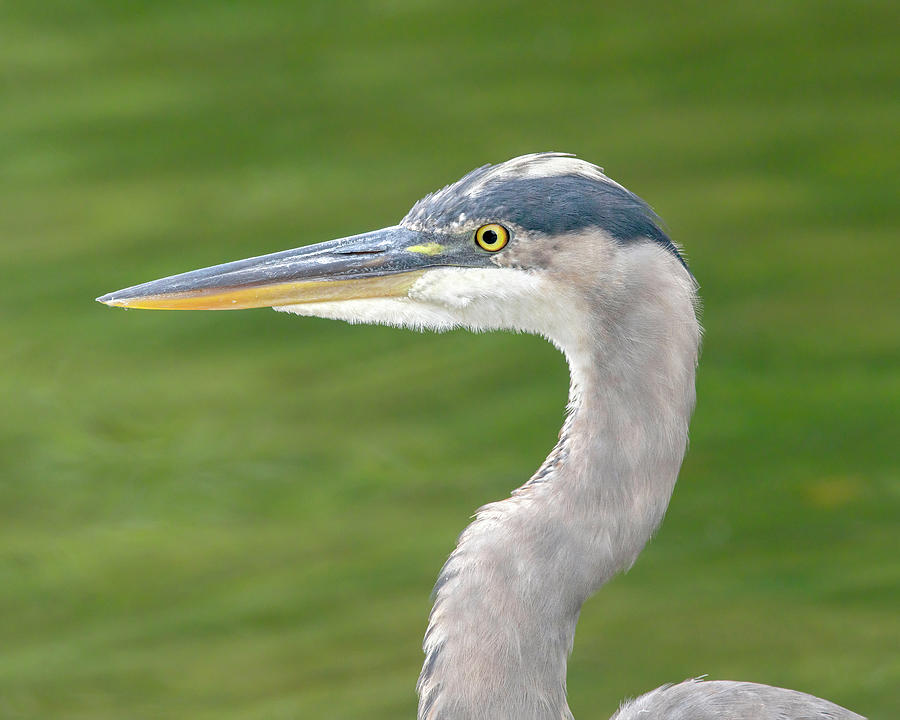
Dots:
{"x": 534, "y": 166}
{"x": 477, "y": 194}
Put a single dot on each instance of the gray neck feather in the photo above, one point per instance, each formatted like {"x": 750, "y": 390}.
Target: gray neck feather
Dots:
{"x": 508, "y": 598}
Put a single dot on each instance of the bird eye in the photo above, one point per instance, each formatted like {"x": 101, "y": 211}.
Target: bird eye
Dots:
{"x": 492, "y": 237}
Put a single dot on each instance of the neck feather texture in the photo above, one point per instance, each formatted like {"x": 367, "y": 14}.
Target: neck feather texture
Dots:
{"x": 508, "y": 598}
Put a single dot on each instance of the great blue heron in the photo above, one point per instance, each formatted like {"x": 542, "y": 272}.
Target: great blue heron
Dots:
{"x": 547, "y": 244}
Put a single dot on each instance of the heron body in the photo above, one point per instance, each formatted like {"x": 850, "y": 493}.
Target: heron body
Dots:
{"x": 546, "y": 244}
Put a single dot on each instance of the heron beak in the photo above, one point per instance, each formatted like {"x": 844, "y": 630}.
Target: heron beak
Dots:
{"x": 383, "y": 263}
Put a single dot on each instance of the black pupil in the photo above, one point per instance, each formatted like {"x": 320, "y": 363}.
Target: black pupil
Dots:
{"x": 490, "y": 237}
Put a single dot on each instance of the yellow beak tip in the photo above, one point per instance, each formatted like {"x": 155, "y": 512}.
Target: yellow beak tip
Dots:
{"x": 271, "y": 295}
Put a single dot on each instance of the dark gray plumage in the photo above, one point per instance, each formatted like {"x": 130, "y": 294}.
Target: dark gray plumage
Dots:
{"x": 552, "y": 205}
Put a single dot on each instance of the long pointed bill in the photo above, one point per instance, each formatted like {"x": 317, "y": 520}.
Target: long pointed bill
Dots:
{"x": 383, "y": 263}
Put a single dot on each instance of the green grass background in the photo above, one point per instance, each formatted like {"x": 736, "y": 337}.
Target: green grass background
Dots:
{"x": 240, "y": 515}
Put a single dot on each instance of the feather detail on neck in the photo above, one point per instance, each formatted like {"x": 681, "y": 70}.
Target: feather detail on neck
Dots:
{"x": 508, "y": 598}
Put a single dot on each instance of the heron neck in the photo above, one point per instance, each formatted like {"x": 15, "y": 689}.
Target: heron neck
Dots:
{"x": 508, "y": 598}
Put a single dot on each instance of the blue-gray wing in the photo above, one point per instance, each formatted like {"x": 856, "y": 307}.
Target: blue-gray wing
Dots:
{"x": 726, "y": 700}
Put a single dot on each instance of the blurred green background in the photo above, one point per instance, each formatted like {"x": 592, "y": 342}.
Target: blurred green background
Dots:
{"x": 240, "y": 515}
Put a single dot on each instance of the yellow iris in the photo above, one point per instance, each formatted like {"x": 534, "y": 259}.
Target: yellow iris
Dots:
{"x": 492, "y": 237}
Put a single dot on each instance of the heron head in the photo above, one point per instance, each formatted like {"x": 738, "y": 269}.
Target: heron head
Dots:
{"x": 513, "y": 245}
